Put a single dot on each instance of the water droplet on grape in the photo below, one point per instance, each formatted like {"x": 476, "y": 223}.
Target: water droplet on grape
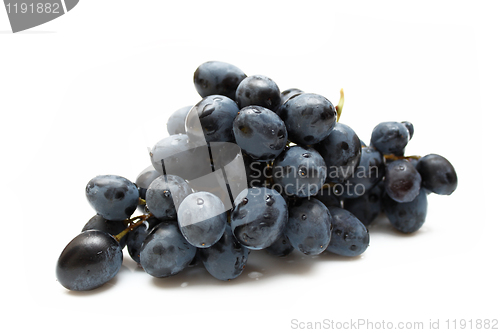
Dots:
{"x": 257, "y": 111}
{"x": 200, "y": 201}
{"x": 306, "y": 155}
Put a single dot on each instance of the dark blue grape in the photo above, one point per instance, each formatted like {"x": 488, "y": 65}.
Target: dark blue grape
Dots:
{"x": 160, "y": 197}
{"x": 409, "y": 127}
{"x": 260, "y": 133}
{"x": 368, "y": 173}
{"x": 137, "y": 236}
{"x": 342, "y": 151}
{"x": 402, "y": 181}
{"x": 286, "y": 94}
{"x": 309, "y": 226}
{"x": 281, "y": 247}
{"x": 217, "y": 78}
{"x": 226, "y": 259}
{"x": 259, "y": 217}
{"x": 90, "y": 260}
{"x": 438, "y": 174}
{"x": 258, "y": 90}
{"x": 390, "y": 138}
{"x": 368, "y": 206}
{"x": 113, "y": 228}
{"x": 202, "y": 219}
{"x": 407, "y": 217}
{"x": 309, "y": 118}
{"x": 349, "y": 236}
{"x": 216, "y": 114}
{"x": 300, "y": 171}
{"x": 143, "y": 180}
{"x": 165, "y": 252}
{"x": 176, "y": 123}
{"x": 113, "y": 197}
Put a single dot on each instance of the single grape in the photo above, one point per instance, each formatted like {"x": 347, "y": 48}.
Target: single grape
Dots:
{"x": 349, "y": 236}
{"x": 309, "y": 226}
{"x": 176, "y": 123}
{"x": 179, "y": 155}
{"x": 165, "y": 252}
{"x": 368, "y": 173}
{"x": 407, "y": 217}
{"x": 226, "y": 259}
{"x": 390, "y": 138}
{"x": 202, "y": 219}
{"x": 259, "y": 217}
{"x": 281, "y": 247}
{"x": 300, "y": 171}
{"x": 113, "y": 197}
{"x": 137, "y": 236}
{"x": 309, "y": 118}
{"x": 90, "y": 260}
{"x": 341, "y": 150}
{"x": 438, "y": 174}
{"x": 160, "y": 197}
{"x": 260, "y": 133}
{"x": 97, "y": 222}
{"x": 217, "y": 78}
{"x": 402, "y": 181}
{"x": 143, "y": 180}
{"x": 216, "y": 114}
{"x": 258, "y": 90}
{"x": 368, "y": 206}
{"x": 286, "y": 94}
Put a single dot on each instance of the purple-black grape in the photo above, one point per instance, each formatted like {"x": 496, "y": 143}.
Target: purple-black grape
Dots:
{"x": 113, "y": 197}
{"x": 260, "y": 133}
{"x": 216, "y": 114}
{"x": 438, "y": 174}
{"x": 217, "y": 78}
{"x": 407, "y": 217}
{"x": 409, "y": 127}
{"x": 258, "y": 90}
{"x": 90, "y": 260}
{"x": 137, "y": 236}
{"x": 286, "y": 94}
{"x": 97, "y": 222}
{"x": 349, "y": 236}
{"x": 300, "y": 171}
{"x": 390, "y": 138}
{"x": 161, "y": 198}
{"x": 309, "y": 118}
{"x": 402, "y": 181}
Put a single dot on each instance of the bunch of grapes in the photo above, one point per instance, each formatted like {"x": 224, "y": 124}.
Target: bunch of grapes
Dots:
{"x": 250, "y": 167}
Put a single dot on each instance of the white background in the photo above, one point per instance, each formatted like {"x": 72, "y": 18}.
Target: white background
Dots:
{"x": 87, "y": 93}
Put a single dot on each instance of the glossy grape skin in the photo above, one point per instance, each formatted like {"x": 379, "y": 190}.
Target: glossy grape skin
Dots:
{"x": 281, "y": 247}
{"x": 216, "y": 114}
{"x": 258, "y": 90}
{"x": 286, "y": 94}
{"x": 309, "y": 118}
{"x": 179, "y": 155}
{"x": 438, "y": 174}
{"x": 165, "y": 252}
{"x": 341, "y": 150}
{"x": 350, "y": 237}
{"x": 390, "y": 138}
{"x": 368, "y": 173}
{"x": 217, "y": 78}
{"x": 160, "y": 197}
{"x": 409, "y": 127}
{"x": 407, "y": 217}
{"x": 113, "y": 197}
{"x": 402, "y": 181}
{"x": 309, "y": 226}
{"x": 259, "y": 217}
{"x": 226, "y": 259}
{"x": 143, "y": 180}
{"x": 368, "y": 206}
{"x": 176, "y": 123}
{"x": 137, "y": 236}
{"x": 202, "y": 219}
{"x": 97, "y": 222}
{"x": 260, "y": 133}
{"x": 300, "y": 171}
{"x": 90, "y": 260}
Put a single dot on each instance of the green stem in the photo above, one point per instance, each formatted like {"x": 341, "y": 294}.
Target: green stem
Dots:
{"x": 340, "y": 105}
{"x": 133, "y": 225}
